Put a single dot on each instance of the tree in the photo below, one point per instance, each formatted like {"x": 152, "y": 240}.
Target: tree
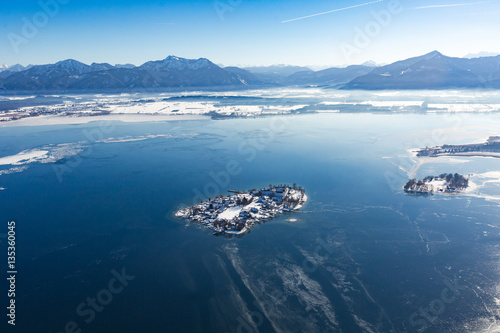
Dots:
{"x": 410, "y": 184}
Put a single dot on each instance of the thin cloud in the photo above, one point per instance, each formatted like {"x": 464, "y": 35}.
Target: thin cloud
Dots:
{"x": 453, "y": 5}
{"x": 331, "y": 11}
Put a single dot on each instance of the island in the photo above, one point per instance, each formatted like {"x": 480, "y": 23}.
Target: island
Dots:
{"x": 239, "y": 212}
{"x": 444, "y": 183}
{"x": 490, "y": 148}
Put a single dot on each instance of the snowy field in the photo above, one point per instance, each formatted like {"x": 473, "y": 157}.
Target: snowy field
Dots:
{"x": 245, "y": 103}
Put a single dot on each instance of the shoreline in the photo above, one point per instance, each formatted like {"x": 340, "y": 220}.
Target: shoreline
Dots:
{"x": 466, "y": 154}
{"x": 127, "y": 118}
{"x": 304, "y": 200}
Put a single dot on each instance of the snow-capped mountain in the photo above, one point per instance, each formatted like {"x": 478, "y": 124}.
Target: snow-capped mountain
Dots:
{"x": 14, "y": 68}
{"x": 170, "y": 72}
{"x": 432, "y": 71}
{"x": 18, "y": 68}
{"x": 6, "y": 70}
{"x": 46, "y": 77}
{"x": 65, "y": 67}
{"x": 178, "y": 64}
{"x": 174, "y": 71}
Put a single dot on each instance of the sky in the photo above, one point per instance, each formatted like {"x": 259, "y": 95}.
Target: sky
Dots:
{"x": 245, "y": 32}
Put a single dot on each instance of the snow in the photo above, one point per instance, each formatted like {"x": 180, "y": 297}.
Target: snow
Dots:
{"x": 299, "y": 206}
{"x": 177, "y": 104}
{"x": 393, "y": 103}
{"x": 131, "y": 139}
{"x": 332, "y": 103}
{"x": 46, "y": 154}
{"x": 163, "y": 108}
{"x": 55, "y": 152}
{"x": 242, "y": 231}
{"x": 16, "y": 98}
{"x": 24, "y": 157}
{"x": 13, "y": 170}
{"x": 437, "y": 185}
{"x": 253, "y": 205}
{"x": 230, "y": 213}
{"x": 494, "y": 175}
{"x": 466, "y": 107}
{"x": 132, "y": 118}
{"x": 478, "y": 187}
{"x": 286, "y": 108}
{"x": 176, "y": 63}
{"x": 193, "y": 108}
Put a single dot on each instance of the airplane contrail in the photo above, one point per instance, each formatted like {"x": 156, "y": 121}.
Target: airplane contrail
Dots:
{"x": 453, "y": 5}
{"x": 331, "y": 11}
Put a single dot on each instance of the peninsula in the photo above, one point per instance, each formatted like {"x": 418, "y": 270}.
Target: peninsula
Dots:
{"x": 239, "y": 212}
{"x": 444, "y": 183}
{"x": 491, "y": 148}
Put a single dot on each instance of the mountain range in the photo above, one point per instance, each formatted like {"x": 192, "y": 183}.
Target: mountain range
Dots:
{"x": 74, "y": 75}
{"x": 430, "y": 71}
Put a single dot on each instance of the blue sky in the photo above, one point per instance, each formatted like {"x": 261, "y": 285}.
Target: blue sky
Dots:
{"x": 244, "y": 32}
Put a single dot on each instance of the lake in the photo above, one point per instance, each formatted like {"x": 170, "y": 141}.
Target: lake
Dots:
{"x": 99, "y": 248}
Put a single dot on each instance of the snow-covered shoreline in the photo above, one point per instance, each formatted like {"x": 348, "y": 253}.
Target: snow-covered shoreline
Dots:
{"x": 304, "y": 200}
{"x": 67, "y": 120}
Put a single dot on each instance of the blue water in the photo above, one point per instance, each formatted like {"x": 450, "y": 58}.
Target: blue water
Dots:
{"x": 365, "y": 257}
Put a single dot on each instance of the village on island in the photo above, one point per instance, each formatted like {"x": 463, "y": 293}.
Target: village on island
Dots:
{"x": 239, "y": 212}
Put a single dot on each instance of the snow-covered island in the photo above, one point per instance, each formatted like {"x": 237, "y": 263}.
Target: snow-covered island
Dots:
{"x": 444, "y": 183}
{"x": 238, "y": 213}
{"x": 490, "y": 148}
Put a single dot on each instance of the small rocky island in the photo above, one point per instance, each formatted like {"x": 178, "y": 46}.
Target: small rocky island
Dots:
{"x": 491, "y": 148}
{"x": 238, "y": 213}
{"x": 444, "y": 183}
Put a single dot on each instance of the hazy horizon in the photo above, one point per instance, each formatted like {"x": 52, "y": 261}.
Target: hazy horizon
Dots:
{"x": 314, "y": 67}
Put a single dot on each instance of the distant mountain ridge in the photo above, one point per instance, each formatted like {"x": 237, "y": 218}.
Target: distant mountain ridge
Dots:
{"x": 429, "y": 71}
{"x": 283, "y": 70}
{"x": 330, "y": 76}
{"x": 14, "y": 68}
{"x": 74, "y": 75}
{"x": 481, "y": 54}
{"x": 432, "y": 71}
{"x": 276, "y": 74}
{"x": 8, "y": 70}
